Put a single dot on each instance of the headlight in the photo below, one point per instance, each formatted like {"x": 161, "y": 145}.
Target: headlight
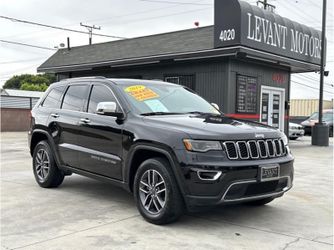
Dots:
{"x": 284, "y": 138}
{"x": 201, "y": 146}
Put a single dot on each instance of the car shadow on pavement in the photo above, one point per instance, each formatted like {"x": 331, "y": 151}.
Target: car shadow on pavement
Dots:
{"x": 238, "y": 214}
{"x": 86, "y": 187}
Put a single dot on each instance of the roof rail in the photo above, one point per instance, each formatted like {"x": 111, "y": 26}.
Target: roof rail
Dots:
{"x": 84, "y": 77}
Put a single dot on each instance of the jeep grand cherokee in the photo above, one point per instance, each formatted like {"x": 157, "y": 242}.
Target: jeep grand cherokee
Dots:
{"x": 161, "y": 141}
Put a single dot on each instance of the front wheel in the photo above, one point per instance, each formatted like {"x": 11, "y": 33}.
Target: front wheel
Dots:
{"x": 45, "y": 169}
{"x": 156, "y": 192}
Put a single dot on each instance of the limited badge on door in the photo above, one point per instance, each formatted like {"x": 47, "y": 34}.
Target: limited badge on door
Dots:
{"x": 269, "y": 172}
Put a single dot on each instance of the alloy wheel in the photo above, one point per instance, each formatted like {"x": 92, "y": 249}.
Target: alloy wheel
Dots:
{"x": 42, "y": 164}
{"x": 152, "y": 191}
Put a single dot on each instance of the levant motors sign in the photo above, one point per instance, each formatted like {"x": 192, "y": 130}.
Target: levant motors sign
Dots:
{"x": 239, "y": 23}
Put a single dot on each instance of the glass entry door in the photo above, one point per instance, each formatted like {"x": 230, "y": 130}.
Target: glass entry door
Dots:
{"x": 272, "y": 110}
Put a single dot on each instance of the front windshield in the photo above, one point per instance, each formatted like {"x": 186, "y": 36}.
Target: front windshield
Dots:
{"x": 326, "y": 116}
{"x": 165, "y": 98}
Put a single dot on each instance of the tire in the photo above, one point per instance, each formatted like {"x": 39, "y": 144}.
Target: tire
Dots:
{"x": 162, "y": 207}
{"x": 331, "y": 132}
{"x": 293, "y": 138}
{"x": 261, "y": 202}
{"x": 45, "y": 169}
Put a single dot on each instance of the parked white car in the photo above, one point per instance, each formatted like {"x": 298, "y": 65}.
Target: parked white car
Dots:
{"x": 295, "y": 131}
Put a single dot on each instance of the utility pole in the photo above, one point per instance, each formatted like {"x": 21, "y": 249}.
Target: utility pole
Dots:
{"x": 266, "y": 5}
{"x": 90, "y": 30}
{"x": 320, "y": 131}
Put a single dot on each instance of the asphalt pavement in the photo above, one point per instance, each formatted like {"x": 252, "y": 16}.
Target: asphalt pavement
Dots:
{"x": 87, "y": 214}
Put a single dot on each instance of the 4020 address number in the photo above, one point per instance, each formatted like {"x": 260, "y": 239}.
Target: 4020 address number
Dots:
{"x": 227, "y": 35}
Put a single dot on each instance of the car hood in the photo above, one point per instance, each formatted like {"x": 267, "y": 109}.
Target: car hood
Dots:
{"x": 309, "y": 122}
{"x": 213, "y": 127}
{"x": 292, "y": 124}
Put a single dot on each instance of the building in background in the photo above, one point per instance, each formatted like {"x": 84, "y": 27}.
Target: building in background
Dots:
{"x": 15, "y": 108}
{"x": 300, "y": 109}
{"x": 243, "y": 62}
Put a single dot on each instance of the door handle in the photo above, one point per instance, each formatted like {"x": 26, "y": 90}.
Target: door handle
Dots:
{"x": 85, "y": 120}
{"x": 54, "y": 115}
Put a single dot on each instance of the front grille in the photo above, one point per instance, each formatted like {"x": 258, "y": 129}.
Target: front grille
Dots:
{"x": 242, "y": 150}
{"x": 271, "y": 150}
{"x": 278, "y": 147}
{"x": 231, "y": 150}
{"x": 260, "y": 149}
{"x": 253, "y": 149}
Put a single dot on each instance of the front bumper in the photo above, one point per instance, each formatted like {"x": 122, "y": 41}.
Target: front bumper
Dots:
{"x": 238, "y": 182}
{"x": 296, "y": 132}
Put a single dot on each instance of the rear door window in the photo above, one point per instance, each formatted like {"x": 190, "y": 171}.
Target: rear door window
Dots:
{"x": 75, "y": 97}
{"x": 53, "y": 98}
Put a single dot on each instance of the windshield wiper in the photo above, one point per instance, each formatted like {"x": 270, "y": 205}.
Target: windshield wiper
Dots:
{"x": 160, "y": 113}
{"x": 204, "y": 113}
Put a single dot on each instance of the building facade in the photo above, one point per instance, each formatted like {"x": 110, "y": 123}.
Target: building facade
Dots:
{"x": 243, "y": 62}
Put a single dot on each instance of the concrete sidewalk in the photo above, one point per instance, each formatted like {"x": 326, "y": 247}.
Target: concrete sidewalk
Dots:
{"x": 86, "y": 214}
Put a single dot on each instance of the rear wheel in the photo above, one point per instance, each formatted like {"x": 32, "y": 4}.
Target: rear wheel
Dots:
{"x": 261, "y": 202}
{"x": 156, "y": 192}
{"x": 45, "y": 169}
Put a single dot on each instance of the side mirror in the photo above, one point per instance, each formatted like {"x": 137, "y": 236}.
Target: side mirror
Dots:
{"x": 108, "y": 108}
{"x": 215, "y": 105}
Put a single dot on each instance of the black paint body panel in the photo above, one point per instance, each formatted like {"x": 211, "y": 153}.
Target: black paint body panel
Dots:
{"x": 104, "y": 148}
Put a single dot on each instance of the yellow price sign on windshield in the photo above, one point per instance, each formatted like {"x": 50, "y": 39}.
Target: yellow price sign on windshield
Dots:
{"x": 141, "y": 93}
{"x": 134, "y": 88}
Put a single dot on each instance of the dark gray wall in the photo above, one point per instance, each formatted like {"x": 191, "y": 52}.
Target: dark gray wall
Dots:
{"x": 210, "y": 77}
{"x": 264, "y": 74}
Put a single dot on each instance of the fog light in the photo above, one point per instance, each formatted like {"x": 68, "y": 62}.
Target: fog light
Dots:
{"x": 208, "y": 175}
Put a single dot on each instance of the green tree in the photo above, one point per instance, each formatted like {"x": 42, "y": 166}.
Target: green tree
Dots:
{"x": 33, "y": 87}
{"x": 40, "y": 79}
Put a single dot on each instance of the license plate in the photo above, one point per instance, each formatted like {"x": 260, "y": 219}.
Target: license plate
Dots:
{"x": 269, "y": 173}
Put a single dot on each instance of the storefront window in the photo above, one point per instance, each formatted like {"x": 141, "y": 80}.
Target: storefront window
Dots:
{"x": 246, "y": 101}
{"x": 185, "y": 80}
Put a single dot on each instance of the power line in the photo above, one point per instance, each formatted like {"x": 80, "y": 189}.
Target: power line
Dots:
{"x": 25, "y": 44}
{"x": 161, "y": 16}
{"x": 21, "y": 61}
{"x": 172, "y": 2}
{"x": 106, "y": 19}
{"x": 312, "y": 79}
{"x": 19, "y": 70}
{"x": 57, "y": 27}
{"x": 310, "y": 86}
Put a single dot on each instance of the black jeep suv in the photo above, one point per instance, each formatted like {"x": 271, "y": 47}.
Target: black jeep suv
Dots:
{"x": 161, "y": 141}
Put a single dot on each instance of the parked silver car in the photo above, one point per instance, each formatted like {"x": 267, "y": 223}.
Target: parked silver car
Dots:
{"x": 313, "y": 119}
{"x": 295, "y": 131}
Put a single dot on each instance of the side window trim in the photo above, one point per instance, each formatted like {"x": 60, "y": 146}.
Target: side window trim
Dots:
{"x": 63, "y": 97}
{"x": 89, "y": 95}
